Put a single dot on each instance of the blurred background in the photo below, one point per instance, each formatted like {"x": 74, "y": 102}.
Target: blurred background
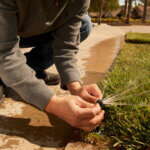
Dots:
{"x": 120, "y": 12}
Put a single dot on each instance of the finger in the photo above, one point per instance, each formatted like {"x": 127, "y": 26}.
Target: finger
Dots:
{"x": 92, "y": 128}
{"x": 92, "y": 122}
{"x": 85, "y": 104}
{"x": 96, "y": 91}
{"x": 90, "y": 98}
{"x": 87, "y": 113}
{"x": 88, "y": 128}
{"x": 89, "y": 125}
{"x": 102, "y": 112}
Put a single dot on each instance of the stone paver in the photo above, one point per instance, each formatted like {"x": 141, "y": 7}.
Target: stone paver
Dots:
{"x": 80, "y": 146}
{"x": 23, "y": 127}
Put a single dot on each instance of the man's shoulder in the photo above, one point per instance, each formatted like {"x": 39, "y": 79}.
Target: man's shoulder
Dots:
{"x": 7, "y": 3}
{"x": 77, "y": 5}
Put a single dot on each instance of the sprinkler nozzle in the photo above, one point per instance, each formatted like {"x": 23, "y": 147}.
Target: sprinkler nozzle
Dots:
{"x": 100, "y": 102}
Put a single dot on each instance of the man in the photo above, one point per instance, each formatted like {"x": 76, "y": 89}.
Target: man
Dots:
{"x": 53, "y": 28}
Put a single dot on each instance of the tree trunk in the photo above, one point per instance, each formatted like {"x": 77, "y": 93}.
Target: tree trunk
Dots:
{"x": 100, "y": 12}
{"x": 129, "y": 12}
{"x": 135, "y": 3}
{"x": 145, "y": 11}
{"x": 125, "y": 8}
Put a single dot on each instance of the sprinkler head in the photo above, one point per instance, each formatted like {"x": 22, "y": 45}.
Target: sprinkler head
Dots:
{"x": 100, "y": 102}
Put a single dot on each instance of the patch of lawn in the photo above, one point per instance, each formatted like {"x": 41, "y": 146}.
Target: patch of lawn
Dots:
{"x": 127, "y": 127}
{"x": 138, "y": 38}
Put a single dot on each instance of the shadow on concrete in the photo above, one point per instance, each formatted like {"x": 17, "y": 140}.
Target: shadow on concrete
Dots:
{"x": 44, "y": 136}
{"x": 57, "y": 133}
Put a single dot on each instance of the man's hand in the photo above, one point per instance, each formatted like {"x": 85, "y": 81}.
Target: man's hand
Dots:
{"x": 76, "y": 112}
{"x": 89, "y": 93}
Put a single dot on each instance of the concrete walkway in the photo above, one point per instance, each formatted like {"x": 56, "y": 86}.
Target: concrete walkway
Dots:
{"x": 23, "y": 127}
{"x": 136, "y": 28}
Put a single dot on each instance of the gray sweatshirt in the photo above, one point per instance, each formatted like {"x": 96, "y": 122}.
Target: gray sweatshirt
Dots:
{"x": 28, "y": 18}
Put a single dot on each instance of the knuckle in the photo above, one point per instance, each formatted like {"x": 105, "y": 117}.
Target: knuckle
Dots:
{"x": 77, "y": 114}
{"x": 93, "y": 122}
{"x": 92, "y": 112}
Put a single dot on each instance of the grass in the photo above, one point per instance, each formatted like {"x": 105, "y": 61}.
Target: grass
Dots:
{"x": 126, "y": 127}
{"x": 138, "y": 38}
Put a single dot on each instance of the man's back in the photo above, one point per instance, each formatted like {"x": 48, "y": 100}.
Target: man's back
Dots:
{"x": 36, "y": 17}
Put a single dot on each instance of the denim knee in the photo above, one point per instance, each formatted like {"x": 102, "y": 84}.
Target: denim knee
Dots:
{"x": 86, "y": 27}
{"x": 40, "y": 57}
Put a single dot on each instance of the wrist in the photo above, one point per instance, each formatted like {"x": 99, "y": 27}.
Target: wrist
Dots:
{"x": 74, "y": 87}
{"x": 53, "y": 104}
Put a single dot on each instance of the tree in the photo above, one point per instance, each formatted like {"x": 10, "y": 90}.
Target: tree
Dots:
{"x": 125, "y": 8}
{"x": 101, "y": 2}
{"x": 110, "y": 5}
{"x": 94, "y": 6}
{"x": 145, "y": 11}
{"x": 135, "y": 2}
{"x": 129, "y": 12}
{"x": 142, "y": 1}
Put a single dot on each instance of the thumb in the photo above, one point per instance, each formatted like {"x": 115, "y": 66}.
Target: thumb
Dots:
{"x": 85, "y": 104}
{"x": 90, "y": 98}
{"x": 95, "y": 91}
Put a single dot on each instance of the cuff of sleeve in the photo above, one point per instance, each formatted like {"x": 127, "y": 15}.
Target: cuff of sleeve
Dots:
{"x": 41, "y": 97}
{"x": 38, "y": 95}
{"x": 68, "y": 77}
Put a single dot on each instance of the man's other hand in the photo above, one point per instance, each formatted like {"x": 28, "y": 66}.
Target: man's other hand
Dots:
{"x": 89, "y": 93}
{"x": 75, "y": 111}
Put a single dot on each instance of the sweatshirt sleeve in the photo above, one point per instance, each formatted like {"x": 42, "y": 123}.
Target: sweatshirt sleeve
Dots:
{"x": 66, "y": 41}
{"x": 14, "y": 71}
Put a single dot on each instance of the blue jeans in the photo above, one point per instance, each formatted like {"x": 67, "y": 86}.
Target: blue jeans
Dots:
{"x": 40, "y": 57}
